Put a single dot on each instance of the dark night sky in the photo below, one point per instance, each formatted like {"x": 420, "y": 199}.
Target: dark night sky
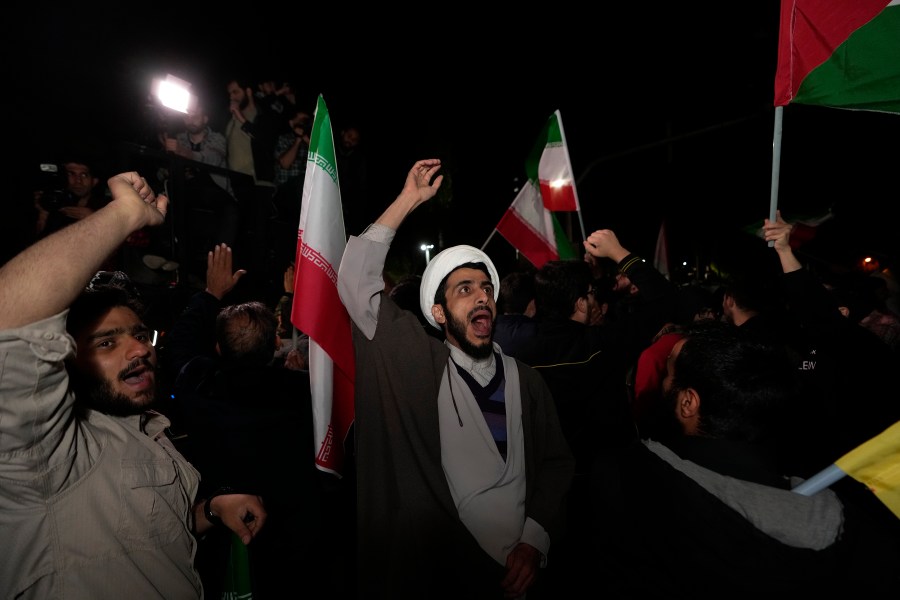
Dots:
{"x": 667, "y": 109}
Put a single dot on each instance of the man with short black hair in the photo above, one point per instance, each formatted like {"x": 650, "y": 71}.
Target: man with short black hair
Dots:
{"x": 79, "y": 198}
{"x": 96, "y": 500}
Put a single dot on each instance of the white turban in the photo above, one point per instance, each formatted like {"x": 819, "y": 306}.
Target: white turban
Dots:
{"x": 443, "y": 263}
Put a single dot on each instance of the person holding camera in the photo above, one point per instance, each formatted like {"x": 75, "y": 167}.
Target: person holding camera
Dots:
{"x": 78, "y": 198}
{"x": 291, "y": 150}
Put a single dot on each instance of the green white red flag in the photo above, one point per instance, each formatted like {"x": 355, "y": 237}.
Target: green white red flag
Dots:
{"x": 533, "y": 230}
{"x": 839, "y": 53}
{"x": 317, "y": 309}
{"x": 549, "y": 165}
{"x": 529, "y": 223}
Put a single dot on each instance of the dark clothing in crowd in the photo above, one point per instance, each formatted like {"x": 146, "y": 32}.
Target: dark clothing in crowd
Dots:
{"x": 679, "y": 525}
{"x": 250, "y": 428}
{"x": 845, "y": 371}
{"x": 513, "y": 331}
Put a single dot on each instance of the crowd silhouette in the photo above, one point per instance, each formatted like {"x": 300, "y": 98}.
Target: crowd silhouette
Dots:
{"x": 534, "y": 431}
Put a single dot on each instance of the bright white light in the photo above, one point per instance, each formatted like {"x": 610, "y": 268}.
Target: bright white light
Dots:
{"x": 426, "y": 248}
{"x": 558, "y": 183}
{"x": 174, "y": 93}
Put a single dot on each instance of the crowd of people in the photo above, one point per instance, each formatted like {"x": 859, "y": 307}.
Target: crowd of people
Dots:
{"x": 586, "y": 427}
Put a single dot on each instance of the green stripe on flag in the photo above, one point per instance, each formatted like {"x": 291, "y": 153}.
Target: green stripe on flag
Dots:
{"x": 550, "y": 136}
{"x": 563, "y": 245}
{"x": 863, "y": 73}
{"x": 321, "y": 142}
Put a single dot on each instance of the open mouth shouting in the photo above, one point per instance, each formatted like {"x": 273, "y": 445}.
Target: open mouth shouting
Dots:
{"x": 139, "y": 375}
{"x": 482, "y": 321}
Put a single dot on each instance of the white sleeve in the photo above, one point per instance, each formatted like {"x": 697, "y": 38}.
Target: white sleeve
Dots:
{"x": 360, "y": 276}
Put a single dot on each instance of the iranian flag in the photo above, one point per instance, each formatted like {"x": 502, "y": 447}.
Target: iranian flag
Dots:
{"x": 839, "y": 53}
{"x": 533, "y": 230}
{"x": 549, "y": 165}
{"x": 317, "y": 309}
{"x": 529, "y": 223}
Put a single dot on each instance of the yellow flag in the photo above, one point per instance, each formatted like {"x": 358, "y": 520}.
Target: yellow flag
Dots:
{"x": 876, "y": 464}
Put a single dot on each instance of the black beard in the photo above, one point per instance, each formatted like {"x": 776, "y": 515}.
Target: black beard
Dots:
{"x": 98, "y": 394}
{"x": 458, "y": 330}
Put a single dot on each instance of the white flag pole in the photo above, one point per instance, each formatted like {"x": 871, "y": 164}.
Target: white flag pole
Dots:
{"x": 490, "y": 237}
{"x": 819, "y": 481}
{"x": 562, "y": 135}
{"x": 776, "y": 166}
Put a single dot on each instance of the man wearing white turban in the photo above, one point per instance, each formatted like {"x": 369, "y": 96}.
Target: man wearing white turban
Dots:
{"x": 462, "y": 468}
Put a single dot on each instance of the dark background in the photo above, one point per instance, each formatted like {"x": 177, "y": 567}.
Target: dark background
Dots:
{"x": 667, "y": 111}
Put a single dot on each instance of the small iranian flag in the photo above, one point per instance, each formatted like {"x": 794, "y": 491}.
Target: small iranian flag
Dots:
{"x": 317, "y": 309}
{"x": 529, "y": 223}
{"x": 533, "y": 230}
{"x": 840, "y": 54}
{"x": 549, "y": 165}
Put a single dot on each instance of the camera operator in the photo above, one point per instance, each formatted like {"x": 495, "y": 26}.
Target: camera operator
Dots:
{"x": 76, "y": 197}
{"x": 291, "y": 150}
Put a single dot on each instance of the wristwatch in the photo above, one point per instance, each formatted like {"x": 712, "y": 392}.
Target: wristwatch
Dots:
{"x": 207, "y": 508}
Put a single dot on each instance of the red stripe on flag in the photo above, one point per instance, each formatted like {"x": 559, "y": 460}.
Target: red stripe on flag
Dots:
{"x": 331, "y": 456}
{"x": 558, "y": 198}
{"x": 521, "y": 235}
{"x": 317, "y": 309}
{"x": 810, "y": 32}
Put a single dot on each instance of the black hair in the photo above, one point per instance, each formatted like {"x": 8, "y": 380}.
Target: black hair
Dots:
{"x": 516, "y": 292}
{"x": 743, "y": 384}
{"x": 107, "y": 290}
{"x": 246, "y": 332}
{"x": 558, "y": 286}
{"x": 440, "y": 294}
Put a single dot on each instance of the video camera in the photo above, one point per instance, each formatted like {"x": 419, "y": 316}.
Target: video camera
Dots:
{"x": 51, "y": 183}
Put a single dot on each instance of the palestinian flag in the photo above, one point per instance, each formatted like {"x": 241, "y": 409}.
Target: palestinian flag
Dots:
{"x": 840, "y": 54}
{"x": 805, "y": 228}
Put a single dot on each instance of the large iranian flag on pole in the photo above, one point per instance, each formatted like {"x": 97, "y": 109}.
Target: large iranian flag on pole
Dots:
{"x": 549, "y": 165}
{"x": 533, "y": 230}
{"x": 839, "y": 53}
{"x": 317, "y": 309}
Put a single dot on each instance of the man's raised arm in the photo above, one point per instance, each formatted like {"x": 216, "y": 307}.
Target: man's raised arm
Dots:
{"x": 46, "y": 277}
{"x": 359, "y": 277}
{"x": 417, "y": 189}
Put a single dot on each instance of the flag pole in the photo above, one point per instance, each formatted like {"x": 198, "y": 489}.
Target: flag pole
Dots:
{"x": 819, "y": 481}
{"x": 776, "y": 166}
{"x": 487, "y": 241}
{"x": 562, "y": 135}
